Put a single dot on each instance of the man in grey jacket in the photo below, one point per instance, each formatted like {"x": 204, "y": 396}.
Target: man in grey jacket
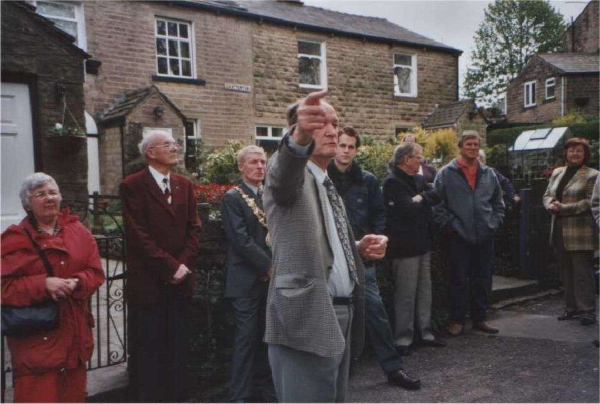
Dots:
{"x": 470, "y": 213}
{"x": 315, "y": 306}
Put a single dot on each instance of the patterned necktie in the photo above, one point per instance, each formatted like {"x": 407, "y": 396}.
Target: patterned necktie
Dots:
{"x": 259, "y": 193}
{"x": 167, "y": 191}
{"x": 339, "y": 216}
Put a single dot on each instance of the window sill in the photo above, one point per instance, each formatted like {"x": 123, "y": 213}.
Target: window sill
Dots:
{"x": 547, "y": 100}
{"x": 182, "y": 80}
{"x": 406, "y": 97}
{"x": 525, "y": 107}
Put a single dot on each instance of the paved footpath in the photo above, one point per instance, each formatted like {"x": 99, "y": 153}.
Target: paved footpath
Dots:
{"x": 534, "y": 358}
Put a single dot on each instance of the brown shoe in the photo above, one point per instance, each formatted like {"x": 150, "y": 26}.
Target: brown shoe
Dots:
{"x": 455, "y": 329}
{"x": 487, "y": 328}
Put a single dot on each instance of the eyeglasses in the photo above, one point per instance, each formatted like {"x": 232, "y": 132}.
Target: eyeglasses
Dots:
{"x": 168, "y": 146}
{"x": 42, "y": 194}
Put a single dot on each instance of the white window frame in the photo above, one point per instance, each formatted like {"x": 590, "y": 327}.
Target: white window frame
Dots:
{"x": 189, "y": 40}
{"x": 413, "y": 75}
{"x": 322, "y": 58}
{"x": 79, "y": 19}
{"x": 529, "y": 90}
{"x": 551, "y": 82}
{"x": 269, "y": 132}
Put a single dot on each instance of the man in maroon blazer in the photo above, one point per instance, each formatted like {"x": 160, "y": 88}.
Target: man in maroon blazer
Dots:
{"x": 162, "y": 233}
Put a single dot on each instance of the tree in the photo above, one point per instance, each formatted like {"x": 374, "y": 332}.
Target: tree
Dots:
{"x": 511, "y": 33}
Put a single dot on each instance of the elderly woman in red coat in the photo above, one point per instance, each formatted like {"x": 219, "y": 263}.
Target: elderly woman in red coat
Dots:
{"x": 50, "y": 366}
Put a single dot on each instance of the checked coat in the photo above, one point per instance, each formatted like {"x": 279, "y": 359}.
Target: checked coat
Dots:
{"x": 578, "y": 226}
{"x": 300, "y": 312}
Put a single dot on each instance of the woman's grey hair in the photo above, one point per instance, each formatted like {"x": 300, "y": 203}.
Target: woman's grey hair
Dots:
{"x": 402, "y": 152}
{"x": 31, "y": 183}
{"x": 241, "y": 156}
{"x": 147, "y": 141}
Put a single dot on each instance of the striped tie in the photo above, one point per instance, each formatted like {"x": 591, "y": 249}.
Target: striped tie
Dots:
{"x": 167, "y": 191}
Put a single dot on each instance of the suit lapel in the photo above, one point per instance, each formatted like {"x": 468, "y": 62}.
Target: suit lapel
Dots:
{"x": 579, "y": 174}
{"x": 251, "y": 194}
{"x": 322, "y": 197}
{"x": 155, "y": 191}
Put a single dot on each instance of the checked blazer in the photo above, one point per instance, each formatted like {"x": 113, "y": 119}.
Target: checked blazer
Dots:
{"x": 578, "y": 226}
{"x": 300, "y": 312}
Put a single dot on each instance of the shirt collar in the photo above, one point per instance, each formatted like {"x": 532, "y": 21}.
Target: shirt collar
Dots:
{"x": 158, "y": 177}
{"x": 252, "y": 187}
{"x": 317, "y": 171}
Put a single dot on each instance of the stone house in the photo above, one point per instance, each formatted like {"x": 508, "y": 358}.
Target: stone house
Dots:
{"x": 582, "y": 34}
{"x": 42, "y": 85}
{"x": 231, "y": 68}
{"x": 460, "y": 115}
{"x": 552, "y": 85}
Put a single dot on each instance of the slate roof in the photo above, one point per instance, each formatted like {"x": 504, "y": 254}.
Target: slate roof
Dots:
{"x": 294, "y": 13}
{"x": 49, "y": 26}
{"x": 573, "y": 63}
{"x": 448, "y": 114}
{"x": 127, "y": 104}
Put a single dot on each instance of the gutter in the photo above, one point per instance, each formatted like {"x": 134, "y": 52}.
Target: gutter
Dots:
{"x": 280, "y": 21}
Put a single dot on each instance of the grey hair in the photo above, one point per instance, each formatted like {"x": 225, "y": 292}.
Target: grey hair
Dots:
{"x": 402, "y": 152}
{"x": 482, "y": 156}
{"x": 468, "y": 134}
{"x": 241, "y": 156}
{"x": 147, "y": 141}
{"x": 31, "y": 183}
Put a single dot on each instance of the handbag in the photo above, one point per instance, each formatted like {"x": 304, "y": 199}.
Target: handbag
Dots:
{"x": 29, "y": 320}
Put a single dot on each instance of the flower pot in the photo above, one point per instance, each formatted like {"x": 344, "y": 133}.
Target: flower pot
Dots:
{"x": 68, "y": 144}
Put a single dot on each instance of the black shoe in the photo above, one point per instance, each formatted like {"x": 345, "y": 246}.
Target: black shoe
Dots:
{"x": 567, "y": 315}
{"x": 596, "y": 343}
{"x": 588, "y": 319}
{"x": 436, "y": 343}
{"x": 403, "y": 379}
{"x": 403, "y": 350}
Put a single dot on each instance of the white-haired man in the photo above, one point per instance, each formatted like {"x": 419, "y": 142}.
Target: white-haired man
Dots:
{"x": 248, "y": 272}
{"x": 162, "y": 233}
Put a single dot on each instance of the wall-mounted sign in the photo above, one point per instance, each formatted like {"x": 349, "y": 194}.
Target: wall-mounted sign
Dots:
{"x": 240, "y": 88}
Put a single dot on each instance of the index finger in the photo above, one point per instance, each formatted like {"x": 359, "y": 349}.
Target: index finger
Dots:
{"x": 315, "y": 98}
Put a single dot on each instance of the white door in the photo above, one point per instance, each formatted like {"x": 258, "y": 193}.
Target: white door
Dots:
{"x": 16, "y": 147}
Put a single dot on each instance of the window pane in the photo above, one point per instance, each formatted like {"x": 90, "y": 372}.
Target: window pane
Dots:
{"x": 190, "y": 129}
{"x": 70, "y": 27}
{"x": 160, "y": 27}
{"x": 550, "y": 91}
{"x": 162, "y": 66}
{"x": 309, "y": 71}
{"x": 404, "y": 60}
{"x": 262, "y": 131}
{"x": 270, "y": 145}
{"x": 309, "y": 48}
{"x": 173, "y": 48}
{"x": 533, "y": 93}
{"x": 174, "y": 64}
{"x": 183, "y": 30}
{"x": 161, "y": 46}
{"x": 185, "y": 49}
{"x": 277, "y": 132}
{"x": 186, "y": 68}
{"x": 402, "y": 80}
{"x": 56, "y": 9}
{"x": 172, "y": 29}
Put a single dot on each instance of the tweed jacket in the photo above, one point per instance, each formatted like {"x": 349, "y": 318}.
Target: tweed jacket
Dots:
{"x": 248, "y": 256}
{"x": 577, "y": 223}
{"x": 300, "y": 312}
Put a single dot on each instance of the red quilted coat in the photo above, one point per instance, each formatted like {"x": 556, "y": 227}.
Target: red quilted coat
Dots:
{"x": 72, "y": 253}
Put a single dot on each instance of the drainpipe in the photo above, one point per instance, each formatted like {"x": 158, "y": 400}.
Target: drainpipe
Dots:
{"x": 562, "y": 96}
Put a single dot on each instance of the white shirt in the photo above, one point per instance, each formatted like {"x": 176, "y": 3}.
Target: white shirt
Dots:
{"x": 339, "y": 284}
{"x": 158, "y": 177}
{"x": 253, "y": 188}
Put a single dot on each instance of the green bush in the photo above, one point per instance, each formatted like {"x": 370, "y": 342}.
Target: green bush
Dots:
{"x": 375, "y": 158}
{"x": 588, "y": 130}
{"x": 221, "y": 165}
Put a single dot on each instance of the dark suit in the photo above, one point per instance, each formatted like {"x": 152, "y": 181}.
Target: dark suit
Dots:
{"x": 248, "y": 259}
{"x": 160, "y": 236}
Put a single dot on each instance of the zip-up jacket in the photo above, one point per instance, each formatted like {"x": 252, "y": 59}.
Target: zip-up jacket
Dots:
{"x": 475, "y": 214}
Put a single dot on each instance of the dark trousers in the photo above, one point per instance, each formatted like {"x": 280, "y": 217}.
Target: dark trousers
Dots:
{"x": 158, "y": 346}
{"x": 378, "y": 326}
{"x": 249, "y": 353}
{"x": 471, "y": 279}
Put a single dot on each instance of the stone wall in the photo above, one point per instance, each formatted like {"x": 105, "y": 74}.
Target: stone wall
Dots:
{"x": 584, "y": 30}
{"x": 583, "y": 94}
{"x": 111, "y": 161}
{"x": 360, "y": 80}
{"x": 234, "y": 50}
{"x": 33, "y": 54}
{"x": 544, "y": 110}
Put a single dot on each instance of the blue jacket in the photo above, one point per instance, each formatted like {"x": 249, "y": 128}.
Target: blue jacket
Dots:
{"x": 475, "y": 214}
{"x": 362, "y": 198}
